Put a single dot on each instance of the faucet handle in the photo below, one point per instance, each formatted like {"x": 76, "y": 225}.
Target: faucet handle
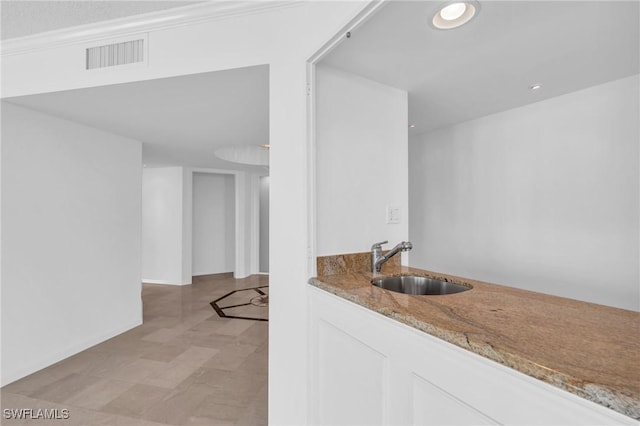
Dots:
{"x": 379, "y": 245}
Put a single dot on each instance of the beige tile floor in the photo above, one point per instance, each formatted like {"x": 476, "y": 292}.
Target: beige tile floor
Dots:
{"x": 183, "y": 366}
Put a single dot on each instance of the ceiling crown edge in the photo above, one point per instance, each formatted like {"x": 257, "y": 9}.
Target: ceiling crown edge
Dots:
{"x": 122, "y": 27}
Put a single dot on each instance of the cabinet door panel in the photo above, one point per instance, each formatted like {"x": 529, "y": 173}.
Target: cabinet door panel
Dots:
{"x": 351, "y": 388}
{"x": 434, "y": 406}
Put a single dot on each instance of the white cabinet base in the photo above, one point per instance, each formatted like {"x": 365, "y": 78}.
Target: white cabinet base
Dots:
{"x": 366, "y": 369}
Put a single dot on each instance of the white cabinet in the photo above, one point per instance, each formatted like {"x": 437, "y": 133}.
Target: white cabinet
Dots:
{"x": 368, "y": 369}
{"x": 353, "y": 379}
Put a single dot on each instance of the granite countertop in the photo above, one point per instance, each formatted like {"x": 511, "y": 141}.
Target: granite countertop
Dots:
{"x": 590, "y": 350}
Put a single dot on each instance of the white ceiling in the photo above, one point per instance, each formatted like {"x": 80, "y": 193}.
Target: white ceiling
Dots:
{"x": 452, "y": 76}
{"x": 180, "y": 120}
{"x": 26, "y": 17}
{"x": 488, "y": 65}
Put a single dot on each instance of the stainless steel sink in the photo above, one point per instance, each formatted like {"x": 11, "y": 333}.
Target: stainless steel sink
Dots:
{"x": 413, "y": 284}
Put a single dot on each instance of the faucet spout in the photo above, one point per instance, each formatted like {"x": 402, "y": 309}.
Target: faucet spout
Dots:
{"x": 378, "y": 259}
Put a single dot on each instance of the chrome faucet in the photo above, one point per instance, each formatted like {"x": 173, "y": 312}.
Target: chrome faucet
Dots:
{"x": 377, "y": 258}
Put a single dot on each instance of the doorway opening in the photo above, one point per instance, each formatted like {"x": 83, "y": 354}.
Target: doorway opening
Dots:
{"x": 213, "y": 219}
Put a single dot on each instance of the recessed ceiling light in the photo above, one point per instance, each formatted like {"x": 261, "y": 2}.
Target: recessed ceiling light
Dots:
{"x": 413, "y": 126}
{"x": 454, "y": 14}
{"x": 535, "y": 87}
{"x": 453, "y": 11}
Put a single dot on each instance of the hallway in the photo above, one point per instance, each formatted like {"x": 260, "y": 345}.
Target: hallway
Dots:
{"x": 184, "y": 366}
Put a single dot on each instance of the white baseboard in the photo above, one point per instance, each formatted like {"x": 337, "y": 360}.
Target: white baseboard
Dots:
{"x": 199, "y": 274}
{"x": 145, "y": 281}
{"x": 47, "y": 360}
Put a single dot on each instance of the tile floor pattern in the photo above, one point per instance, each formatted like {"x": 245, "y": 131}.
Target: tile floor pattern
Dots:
{"x": 184, "y": 366}
{"x": 245, "y": 304}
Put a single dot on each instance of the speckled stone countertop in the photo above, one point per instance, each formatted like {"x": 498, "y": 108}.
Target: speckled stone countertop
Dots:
{"x": 590, "y": 350}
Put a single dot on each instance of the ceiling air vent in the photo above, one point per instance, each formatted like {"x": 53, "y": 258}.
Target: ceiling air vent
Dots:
{"x": 110, "y": 55}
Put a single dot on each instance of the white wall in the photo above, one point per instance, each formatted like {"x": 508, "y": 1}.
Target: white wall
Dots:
{"x": 264, "y": 224}
{"x": 362, "y": 161}
{"x": 187, "y": 225}
{"x": 542, "y": 197}
{"x": 213, "y": 223}
{"x": 246, "y": 228}
{"x": 162, "y": 226}
{"x": 168, "y": 228}
{"x": 234, "y": 41}
{"x": 70, "y": 238}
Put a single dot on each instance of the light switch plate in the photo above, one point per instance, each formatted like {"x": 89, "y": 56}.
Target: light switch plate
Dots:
{"x": 393, "y": 214}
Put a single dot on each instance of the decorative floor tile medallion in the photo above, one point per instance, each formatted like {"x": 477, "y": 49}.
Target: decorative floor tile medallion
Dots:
{"x": 249, "y": 303}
